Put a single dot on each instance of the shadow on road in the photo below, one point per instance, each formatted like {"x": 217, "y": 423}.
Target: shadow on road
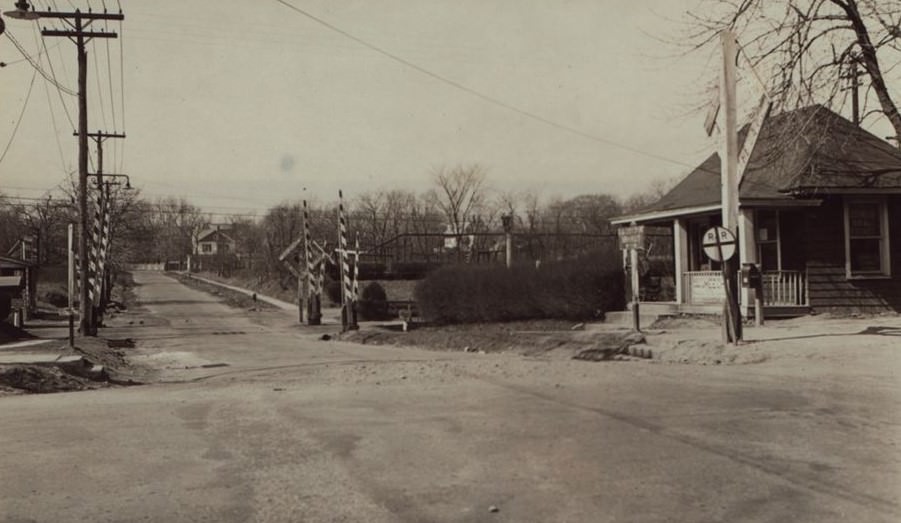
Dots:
{"x": 873, "y": 330}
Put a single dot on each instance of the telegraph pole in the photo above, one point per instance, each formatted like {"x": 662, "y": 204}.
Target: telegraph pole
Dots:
{"x": 729, "y": 184}
{"x": 79, "y": 34}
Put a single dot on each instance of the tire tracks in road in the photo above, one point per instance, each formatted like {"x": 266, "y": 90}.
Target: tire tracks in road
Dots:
{"x": 793, "y": 479}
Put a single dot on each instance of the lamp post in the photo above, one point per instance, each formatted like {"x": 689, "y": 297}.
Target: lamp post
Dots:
{"x": 78, "y": 23}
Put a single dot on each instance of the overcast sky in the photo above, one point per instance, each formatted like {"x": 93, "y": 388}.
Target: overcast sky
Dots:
{"x": 241, "y": 105}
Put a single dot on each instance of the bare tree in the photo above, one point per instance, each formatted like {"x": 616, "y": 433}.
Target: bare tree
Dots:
{"x": 178, "y": 222}
{"x": 460, "y": 195}
{"x": 654, "y": 192}
{"x": 382, "y": 215}
{"x": 807, "y": 48}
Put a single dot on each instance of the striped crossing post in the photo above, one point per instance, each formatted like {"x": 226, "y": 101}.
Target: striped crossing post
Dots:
{"x": 348, "y": 321}
{"x": 94, "y": 253}
{"x": 311, "y": 291}
{"x": 103, "y": 249}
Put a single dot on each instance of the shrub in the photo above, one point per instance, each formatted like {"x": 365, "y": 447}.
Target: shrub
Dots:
{"x": 373, "y": 304}
{"x": 579, "y": 289}
{"x": 333, "y": 290}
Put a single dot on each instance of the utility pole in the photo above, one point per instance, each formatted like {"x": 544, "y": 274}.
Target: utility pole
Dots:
{"x": 79, "y": 34}
{"x": 729, "y": 184}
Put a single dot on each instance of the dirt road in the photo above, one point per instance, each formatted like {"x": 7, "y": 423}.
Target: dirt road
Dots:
{"x": 255, "y": 419}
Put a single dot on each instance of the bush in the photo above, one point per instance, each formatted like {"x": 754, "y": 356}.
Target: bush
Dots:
{"x": 580, "y": 289}
{"x": 333, "y": 290}
{"x": 373, "y": 304}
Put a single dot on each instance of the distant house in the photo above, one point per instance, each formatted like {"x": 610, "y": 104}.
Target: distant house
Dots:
{"x": 819, "y": 213}
{"x": 213, "y": 241}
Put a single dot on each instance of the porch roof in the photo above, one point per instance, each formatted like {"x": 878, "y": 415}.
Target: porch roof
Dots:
{"x": 798, "y": 154}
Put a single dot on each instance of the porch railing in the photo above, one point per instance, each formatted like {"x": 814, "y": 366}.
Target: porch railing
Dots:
{"x": 785, "y": 288}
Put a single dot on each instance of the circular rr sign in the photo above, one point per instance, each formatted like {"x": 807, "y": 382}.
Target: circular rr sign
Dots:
{"x": 719, "y": 244}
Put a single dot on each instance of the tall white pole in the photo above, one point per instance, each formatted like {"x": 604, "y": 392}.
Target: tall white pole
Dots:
{"x": 729, "y": 157}
{"x": 71, "y": 285}
{"x": 729, "y": 183}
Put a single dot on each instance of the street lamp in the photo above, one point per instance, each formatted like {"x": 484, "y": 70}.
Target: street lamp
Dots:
{"x": 23, "y": 11}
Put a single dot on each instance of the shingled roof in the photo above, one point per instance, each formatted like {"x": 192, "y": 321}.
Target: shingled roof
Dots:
{"x": 809, "y": 151}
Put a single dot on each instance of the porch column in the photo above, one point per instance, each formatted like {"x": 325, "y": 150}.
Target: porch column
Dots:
{"x": 680, "y": 256}
{"x": 747, "y": 250}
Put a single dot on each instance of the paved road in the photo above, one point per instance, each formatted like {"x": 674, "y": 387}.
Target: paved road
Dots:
{"x": 296, "y": 429}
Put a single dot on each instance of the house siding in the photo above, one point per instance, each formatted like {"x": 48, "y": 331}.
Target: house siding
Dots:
{"x": 824, "y": 244}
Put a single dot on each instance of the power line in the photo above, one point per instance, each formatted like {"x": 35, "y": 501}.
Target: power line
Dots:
{"x": 35, "y": 65}
{"x": 53, "y": 73}
{"x": 59, "y": 146}
{"x": 99, "y": 88}
{"x": 488, "y": 98}
{"x": 21, "y": 114}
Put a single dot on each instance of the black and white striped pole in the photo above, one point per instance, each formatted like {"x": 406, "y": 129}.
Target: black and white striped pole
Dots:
{"x": 348, "y": 318}
{"x": 312, "y": 290}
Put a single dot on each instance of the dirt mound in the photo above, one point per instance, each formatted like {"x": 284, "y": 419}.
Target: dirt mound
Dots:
{"x": 41, "y": 380}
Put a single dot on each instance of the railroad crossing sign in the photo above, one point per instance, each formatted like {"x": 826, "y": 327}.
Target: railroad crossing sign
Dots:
{"x": 719, "y": 244}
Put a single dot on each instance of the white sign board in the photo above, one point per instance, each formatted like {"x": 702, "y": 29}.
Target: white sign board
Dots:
{"x": 719, "y": 244}
{"x": 706, "y": 287}
{"x": 631, "y": 237}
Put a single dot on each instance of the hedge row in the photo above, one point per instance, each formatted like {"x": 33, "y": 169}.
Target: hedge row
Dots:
{"x": 580, "y": 289}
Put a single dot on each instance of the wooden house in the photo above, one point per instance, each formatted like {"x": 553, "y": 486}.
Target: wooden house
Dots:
{"x": 819, "y": 213}
{"x": 211, "y": 242}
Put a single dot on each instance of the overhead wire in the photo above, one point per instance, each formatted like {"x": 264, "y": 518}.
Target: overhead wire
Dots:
{"x": 122, "y": 88}
{"x": 52, "y": 112}
{"x": 478, "y": 94}
{"x": 35, "y": 65}
{"x": 12, "y": 136}
{"x": 55, "y": 83}
{"x": 99, "y": 88}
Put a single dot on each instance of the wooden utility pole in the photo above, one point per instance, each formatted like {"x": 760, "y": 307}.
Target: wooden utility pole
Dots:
{"x": 78, "y": 33}
{"x": 729, "y": 182}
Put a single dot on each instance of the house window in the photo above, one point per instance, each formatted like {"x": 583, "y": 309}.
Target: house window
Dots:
{"x": 768, "y": 248}
{"x": 866, "y": 239}
{"x": 206, "y": 248}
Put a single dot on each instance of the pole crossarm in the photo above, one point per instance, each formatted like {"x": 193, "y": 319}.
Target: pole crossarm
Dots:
{"x": 79, "y": 34}
{"x": 88, "y": 16}
{"x": 100, "y": 135}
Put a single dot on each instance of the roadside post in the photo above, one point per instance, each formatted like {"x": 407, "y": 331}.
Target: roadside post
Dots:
{"x": 507, "y": 220}
{"x": 71, "y": 310}
{"x": 631, "y": 239}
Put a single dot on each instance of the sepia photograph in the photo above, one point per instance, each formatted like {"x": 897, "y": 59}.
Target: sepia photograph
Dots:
{"x": 450, "y": 261}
